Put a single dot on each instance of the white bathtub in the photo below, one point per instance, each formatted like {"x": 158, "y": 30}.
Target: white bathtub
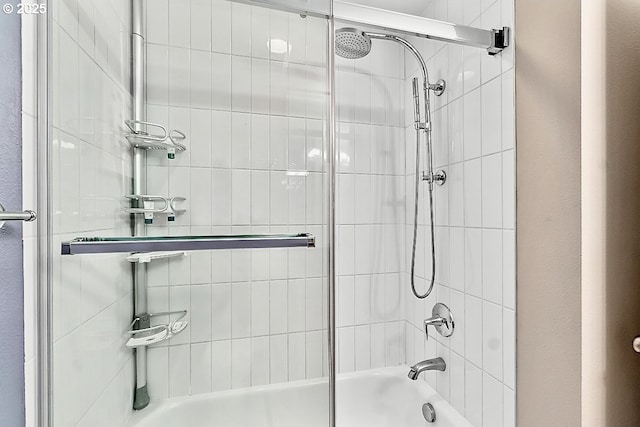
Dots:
{"x": 376, "y": 398}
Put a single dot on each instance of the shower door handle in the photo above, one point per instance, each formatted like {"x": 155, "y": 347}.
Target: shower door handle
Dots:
{"x": 26, "y": 216}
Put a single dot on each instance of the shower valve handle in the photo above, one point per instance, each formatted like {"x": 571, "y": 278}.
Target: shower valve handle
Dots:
{"x": 442, "y": 319}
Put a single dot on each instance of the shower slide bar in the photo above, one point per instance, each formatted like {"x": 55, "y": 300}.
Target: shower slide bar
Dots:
{"x": 103, "y": 245}
{"x": 494, "y": 41}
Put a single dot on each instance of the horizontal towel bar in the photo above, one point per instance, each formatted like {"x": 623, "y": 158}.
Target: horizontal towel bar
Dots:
{"x": 102, "y": 245}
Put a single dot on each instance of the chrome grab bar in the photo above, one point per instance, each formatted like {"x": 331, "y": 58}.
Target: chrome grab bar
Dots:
{"x": 26, "y": 216}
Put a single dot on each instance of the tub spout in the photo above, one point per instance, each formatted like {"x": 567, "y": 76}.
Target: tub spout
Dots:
{"x": 436, "y": 364}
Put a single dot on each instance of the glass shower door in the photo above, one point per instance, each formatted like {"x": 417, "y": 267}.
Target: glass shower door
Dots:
{"x": 188, "y": 185}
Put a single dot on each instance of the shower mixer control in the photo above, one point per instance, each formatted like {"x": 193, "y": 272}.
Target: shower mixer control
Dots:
{"x": 442, "y": 319}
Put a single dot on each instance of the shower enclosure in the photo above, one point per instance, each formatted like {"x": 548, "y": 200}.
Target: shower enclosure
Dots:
{"x": 243, "y": 224}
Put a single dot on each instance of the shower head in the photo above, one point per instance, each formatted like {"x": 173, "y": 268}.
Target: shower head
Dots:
{"x": 352, "y": 43}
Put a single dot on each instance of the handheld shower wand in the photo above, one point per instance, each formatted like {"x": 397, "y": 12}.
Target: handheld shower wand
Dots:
{"x": 352, "y": 43}
{"x": 426, "y": 127}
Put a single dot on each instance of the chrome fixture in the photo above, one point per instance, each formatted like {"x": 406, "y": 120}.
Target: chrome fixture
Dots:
{"x": 168, "y": 206}
{"x": 442, "y": 319}
{"x": 103, "y": 245}
{"x": 436, "y": 364}
{"x": 333, "y": 161}
{"x": 636, "y": 344}
{"x": 351, "y": 43}
{"x": 439, "y": 177}
{"x": 152, "y": 136}
{"x": 26, "y": 216}
{"x": 429, "y": 413}
{"x": 139, "y": 186}
{"x": 438, "y": 87}
{"x": 493, "y": 41}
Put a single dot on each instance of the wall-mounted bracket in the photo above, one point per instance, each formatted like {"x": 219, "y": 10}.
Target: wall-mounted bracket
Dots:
{"x": 26, "y": 216}
{"x": 500, "y": 40}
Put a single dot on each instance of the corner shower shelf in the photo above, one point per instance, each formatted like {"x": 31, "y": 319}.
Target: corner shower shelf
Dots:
{"x": 101, "y": 245}
{"x": 152, "y": 136}
{"x": 144, "y": 257}
{"x": 157, "y": 333}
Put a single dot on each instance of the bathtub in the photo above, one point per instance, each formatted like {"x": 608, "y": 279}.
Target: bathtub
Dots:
{"x": 376, "y": 398}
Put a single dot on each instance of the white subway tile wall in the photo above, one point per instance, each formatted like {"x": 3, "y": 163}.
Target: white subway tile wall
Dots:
{"x": 474, "y": 139}
{"x": 248, "y": 87}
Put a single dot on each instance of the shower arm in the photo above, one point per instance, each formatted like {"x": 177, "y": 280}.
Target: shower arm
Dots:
{"x": 429, "y": 176}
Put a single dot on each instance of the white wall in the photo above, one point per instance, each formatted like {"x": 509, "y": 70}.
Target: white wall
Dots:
{"x": 255, "y": 125}
{"x": 549, "y": 237}
{"x": 474, "y": 139}
{"x": 610, "y": 82}
{"x": 594, "y": 208}
{"x": 92, "y": 370}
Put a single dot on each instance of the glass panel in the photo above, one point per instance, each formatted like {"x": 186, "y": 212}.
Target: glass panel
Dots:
{"x": 226, "y": 146}
{"x": 380, "y": 321}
